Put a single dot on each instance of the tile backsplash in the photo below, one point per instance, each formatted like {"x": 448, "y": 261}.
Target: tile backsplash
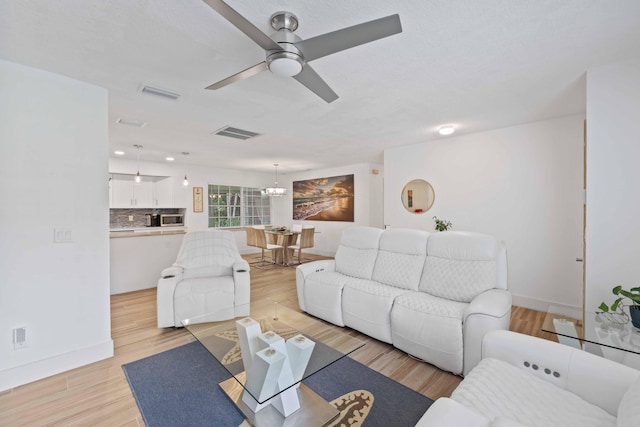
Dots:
{"x": 119, "y": 218}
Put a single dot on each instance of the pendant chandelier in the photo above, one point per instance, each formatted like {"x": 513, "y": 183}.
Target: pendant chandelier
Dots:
{"x": 275, "y": 191}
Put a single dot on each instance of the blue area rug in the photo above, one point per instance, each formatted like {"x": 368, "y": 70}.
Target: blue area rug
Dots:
{"x": 180, "y": 388}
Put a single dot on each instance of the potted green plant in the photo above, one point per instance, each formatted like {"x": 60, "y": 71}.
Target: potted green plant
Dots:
{"x": 442, "y": 225}
{"x": 616, "y": 310}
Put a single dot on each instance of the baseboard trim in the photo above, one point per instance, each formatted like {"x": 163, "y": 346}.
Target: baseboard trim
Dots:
{"x": 44, "y": 368}
{"x": 542, "y": 305}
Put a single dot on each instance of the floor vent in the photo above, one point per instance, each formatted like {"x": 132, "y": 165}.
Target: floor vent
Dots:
{"x": 236, "y": 133}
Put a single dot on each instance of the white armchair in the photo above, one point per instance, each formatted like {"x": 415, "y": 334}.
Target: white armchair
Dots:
{"x": 209, "y": 281}
{"x": 528, "y": 381}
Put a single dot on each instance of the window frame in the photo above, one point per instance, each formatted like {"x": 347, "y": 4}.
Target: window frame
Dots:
{"x": 243, "y": 212}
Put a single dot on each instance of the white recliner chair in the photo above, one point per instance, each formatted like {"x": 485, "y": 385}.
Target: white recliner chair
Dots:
{"x": 528, "y": 381}
{"x": 208, "y": 282}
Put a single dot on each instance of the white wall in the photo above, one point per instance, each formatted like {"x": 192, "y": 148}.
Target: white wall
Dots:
{"x": 522, "y": 184}
{"x": 613, "y": 176}
{"x": 53, "y": 173}
{"x": 368, "y": 207}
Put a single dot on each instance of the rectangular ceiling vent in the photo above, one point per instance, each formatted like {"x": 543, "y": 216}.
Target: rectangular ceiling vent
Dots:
{"x": 129, "y": 122}
{"x": 236, "y": 133}
{"x": 149, "y": 90}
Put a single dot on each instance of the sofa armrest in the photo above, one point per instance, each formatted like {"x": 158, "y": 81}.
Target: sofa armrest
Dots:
{"x": 241, "y": 267}
{"x": 595, "y": 379}
{"x": 488, "y": 311}
{"x": 164, "y": 296}
{"x": 171, "y": 272}
{"x": 242, "y": 287}
{"x": 304, "y": 270}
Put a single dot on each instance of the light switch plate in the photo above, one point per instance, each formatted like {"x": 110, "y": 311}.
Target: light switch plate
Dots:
{"x": 62, "y": 235}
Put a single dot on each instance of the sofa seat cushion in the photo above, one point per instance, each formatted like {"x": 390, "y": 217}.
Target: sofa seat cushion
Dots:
{"x": 323, "y": 295}
{"x": 366, "y": 306}
{"x": 430, "y": 328}
{"x": 202, "y": 296}
{"x": 496, "y": 388}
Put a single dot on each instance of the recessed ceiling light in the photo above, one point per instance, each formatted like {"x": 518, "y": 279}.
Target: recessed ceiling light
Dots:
{"x": 169, "y": 159}
{"x": 118, "y": 153}
{"x": 135, "y": 123}
{"x": 446, "y": 130}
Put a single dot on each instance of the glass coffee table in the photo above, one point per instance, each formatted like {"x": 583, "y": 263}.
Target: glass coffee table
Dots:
{"x": 325, "y": 344}
{"x": 598, "y": 334}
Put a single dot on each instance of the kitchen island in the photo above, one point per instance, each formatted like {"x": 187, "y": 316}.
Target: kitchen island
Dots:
{"x": 139, "y": 255}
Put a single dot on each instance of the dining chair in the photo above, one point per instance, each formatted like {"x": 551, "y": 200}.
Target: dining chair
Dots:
{"x": 305, "y": 241}
{"x": 261, "y": 242}
{"x": 296, "y": 229}
{"x": 251, "y": 242}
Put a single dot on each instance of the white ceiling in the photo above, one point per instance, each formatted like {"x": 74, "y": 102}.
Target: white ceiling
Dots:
{"x": 479, "y": 64}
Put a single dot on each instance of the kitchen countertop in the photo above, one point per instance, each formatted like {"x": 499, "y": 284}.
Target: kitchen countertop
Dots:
{"x": 143, "y": 232}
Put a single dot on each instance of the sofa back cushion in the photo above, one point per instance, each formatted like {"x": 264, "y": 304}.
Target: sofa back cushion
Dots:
{"x": 401, "y": 258}
{"x": 357, "y": 252}
{"x": 207, "y": 253}
{"x": 460, "y": 265}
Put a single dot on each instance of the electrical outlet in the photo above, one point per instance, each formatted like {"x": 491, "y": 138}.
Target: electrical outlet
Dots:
{"x": 20, "y": 338}
{"x": 130, "y": 218}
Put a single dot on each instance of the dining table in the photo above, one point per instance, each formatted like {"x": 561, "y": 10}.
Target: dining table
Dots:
{"x": 284, "y": 238}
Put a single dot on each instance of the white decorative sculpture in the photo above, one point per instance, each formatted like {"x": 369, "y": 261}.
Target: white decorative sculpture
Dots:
{"x": 272, "y": 365}
{"x": 248, "y": 332}
{"x": 262, "y": 378}
{"x": 299, "y": 349}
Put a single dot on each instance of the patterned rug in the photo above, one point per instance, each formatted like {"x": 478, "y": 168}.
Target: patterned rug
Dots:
{"x": 180, "y": 388}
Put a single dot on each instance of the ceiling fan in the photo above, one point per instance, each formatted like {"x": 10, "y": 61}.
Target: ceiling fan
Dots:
{"x": 288, "y": 55}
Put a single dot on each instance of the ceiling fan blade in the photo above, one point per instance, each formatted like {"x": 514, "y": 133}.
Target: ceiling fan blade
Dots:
{"x": 315, "y": 84}
{"x": 336, "y": 41}
{"x": 251, "y": 71}
{"x": 240, "y": 22}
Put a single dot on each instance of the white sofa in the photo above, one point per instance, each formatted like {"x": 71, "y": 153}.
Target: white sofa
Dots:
{"x": 528, "y": 381}
{"x": 431, "y": 295}
{"x": 208, "y": 282}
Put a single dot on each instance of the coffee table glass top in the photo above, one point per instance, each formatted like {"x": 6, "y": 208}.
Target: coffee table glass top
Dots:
{"x": 598, "y": 330}
{"x": 221, "y": 340}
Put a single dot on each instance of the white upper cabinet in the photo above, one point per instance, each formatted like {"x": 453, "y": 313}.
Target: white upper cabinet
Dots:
{"x": 163, "y": 192}
{"x": 150, "y": 192}
{"x": 126, "y": 193}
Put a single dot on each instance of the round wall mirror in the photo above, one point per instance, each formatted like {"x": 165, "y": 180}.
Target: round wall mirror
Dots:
{"x": 418, "y": 196}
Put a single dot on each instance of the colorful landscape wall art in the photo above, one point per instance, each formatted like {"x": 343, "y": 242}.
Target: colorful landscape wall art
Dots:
{"x": 324, "y": 199}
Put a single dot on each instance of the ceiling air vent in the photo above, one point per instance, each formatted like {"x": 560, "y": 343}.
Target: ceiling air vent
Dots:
{"x": 236, "y": 133}
{"x": 129, "y": 122}
{"x": 159, "y": 92}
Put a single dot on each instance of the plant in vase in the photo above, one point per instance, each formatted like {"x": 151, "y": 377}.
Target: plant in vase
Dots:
{"x": 616, "y": 312}
{"x": 442, "y": 225}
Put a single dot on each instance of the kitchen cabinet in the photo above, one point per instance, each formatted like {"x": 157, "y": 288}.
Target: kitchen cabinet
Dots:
{"x": 163, "y": 192}
{"x": 126, "y": 193}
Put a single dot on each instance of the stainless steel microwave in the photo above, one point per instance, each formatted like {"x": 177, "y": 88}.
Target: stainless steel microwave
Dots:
{"x": 171, "y": 220}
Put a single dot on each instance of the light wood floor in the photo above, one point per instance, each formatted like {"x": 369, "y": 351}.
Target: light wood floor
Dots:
{"x": 98, "y": 394}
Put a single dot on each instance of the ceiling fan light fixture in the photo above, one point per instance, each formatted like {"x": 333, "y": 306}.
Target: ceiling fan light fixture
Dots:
{"x": 284, "y": 64}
